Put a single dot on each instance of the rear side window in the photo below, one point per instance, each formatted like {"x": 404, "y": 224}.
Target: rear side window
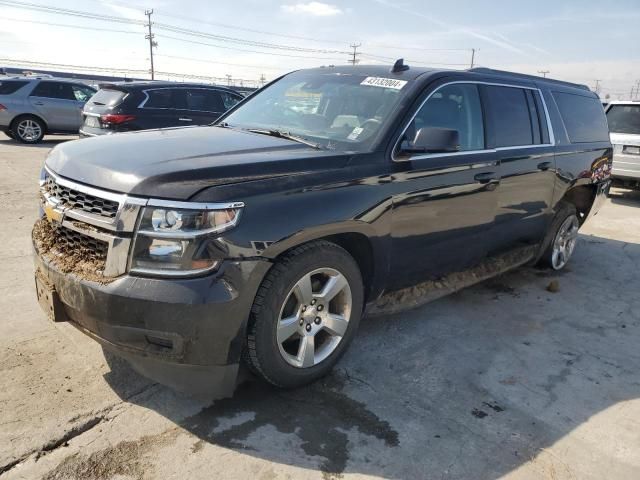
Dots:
{"x": 583, "y": 117}
{"x": 7, "y": 87}
{"x": 204, "y": 100}
{"x": 510, "y": 115}
{"x": 162, "y": 98}
{"x": 624, "y": 119}
{"x": 59, "y": 90}
{"x": 107, "y": 97}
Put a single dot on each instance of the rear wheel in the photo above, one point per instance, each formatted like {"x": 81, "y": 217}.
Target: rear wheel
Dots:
{"x": 28, "y": 129}
{"x": 565, "y": 236}
{"x": 304, "y": 315}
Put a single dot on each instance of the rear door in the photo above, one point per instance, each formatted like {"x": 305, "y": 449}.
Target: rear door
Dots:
{"x": 518, "y": 129}
{"x": 203, "y": 106}
{"x": 56, "y": 103}
{"x": 161, "y": 108}
{"x": 445, "y": 203}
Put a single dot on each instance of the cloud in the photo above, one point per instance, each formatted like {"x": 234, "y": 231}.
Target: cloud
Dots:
{"x": 318, "y": 9}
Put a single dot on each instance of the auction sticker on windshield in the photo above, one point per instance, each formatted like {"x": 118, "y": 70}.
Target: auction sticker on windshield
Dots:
{"x": 384, "y": 82}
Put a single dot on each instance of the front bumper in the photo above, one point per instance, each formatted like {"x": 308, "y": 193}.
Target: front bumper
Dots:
{"x": 184, "y": 333}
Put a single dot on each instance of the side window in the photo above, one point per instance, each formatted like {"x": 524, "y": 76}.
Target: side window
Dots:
{"x": 583, "y": 117}
{"x": 455, "y": 107}
{"x": 510, "y": 115}
{"x": 57, "y": 90}
{"x": 204, "y": 100}
{"x": 160, "y": 98}
{"x": 8, "y": 87}
{"x": 229, "y": 100}
{"x": 81, "y": 93}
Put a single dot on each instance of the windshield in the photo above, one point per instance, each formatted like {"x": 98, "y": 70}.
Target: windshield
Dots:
{"x": 336, "y": 111}
{"x": 624, "y": 119}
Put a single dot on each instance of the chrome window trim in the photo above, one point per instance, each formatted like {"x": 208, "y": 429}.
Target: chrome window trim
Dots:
{"x": 146, "y": 98}
{"x": 487, "y": 150}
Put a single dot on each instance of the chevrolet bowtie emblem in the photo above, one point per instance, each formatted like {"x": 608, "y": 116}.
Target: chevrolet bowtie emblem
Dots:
{"x": 53, "y": 214}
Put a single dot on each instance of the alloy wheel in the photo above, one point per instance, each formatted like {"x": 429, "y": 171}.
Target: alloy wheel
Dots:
{"x": 565, "y": 242}
{"x": 314, "y": 317}
{"x": 29, "y": 130}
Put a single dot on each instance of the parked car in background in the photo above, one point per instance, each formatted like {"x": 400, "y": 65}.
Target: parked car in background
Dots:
{"x": 128, "y": 106}
{"x": 263, "y": 237}
{"x": 624, "y": 128}
{"x": 31, "y": 107}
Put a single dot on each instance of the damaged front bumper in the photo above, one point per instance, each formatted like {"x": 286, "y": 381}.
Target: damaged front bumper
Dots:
{"x": 187, "y": 334}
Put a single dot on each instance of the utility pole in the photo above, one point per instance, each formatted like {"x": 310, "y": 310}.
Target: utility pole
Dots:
{"x": 353, "y": 60}
{"x": 543, "y": 73}
{"x": 637, "y": 90}
{"x": 597, "y": 87}
{"x": 228, "y": 79}
{"x": 263, "y": 79}
{"x": 473, "y": 57}
{"x": 152, "y": 43}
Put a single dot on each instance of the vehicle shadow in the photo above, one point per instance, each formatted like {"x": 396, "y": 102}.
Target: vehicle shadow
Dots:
{"x": 47, "y": 142}
{"x": 474, "y": 385}
{"x": 626, "y": 197}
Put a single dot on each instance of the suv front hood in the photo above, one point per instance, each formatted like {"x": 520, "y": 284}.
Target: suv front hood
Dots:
{"x": 176, "y": 163}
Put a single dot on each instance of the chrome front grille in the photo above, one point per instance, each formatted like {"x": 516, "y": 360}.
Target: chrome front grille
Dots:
{"x": 75, "y": 199}
{"x": 72, "y": 243}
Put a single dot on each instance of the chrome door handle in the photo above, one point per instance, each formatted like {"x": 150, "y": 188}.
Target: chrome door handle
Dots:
{"x": 184, "y": 119}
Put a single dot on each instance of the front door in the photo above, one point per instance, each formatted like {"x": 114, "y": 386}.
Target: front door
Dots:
{"x": 56, "y": 104}
{"x": 444, "y": 204}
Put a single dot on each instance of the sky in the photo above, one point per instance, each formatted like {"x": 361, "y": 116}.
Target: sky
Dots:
{"x": 590, "y": 42}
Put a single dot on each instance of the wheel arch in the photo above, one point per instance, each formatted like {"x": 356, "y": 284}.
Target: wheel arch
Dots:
{"x": 23, "y": 115}
{"x": 582, "y": 197}
{"x": 359, "y": 239}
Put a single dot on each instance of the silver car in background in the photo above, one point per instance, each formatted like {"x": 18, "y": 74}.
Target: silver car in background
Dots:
{"x": 31, "y": 107}
{"x": 624, "y": 128}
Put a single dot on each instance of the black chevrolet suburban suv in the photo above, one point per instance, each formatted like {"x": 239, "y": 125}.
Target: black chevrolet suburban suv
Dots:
{"x": 262, "y": 240}
{"x": 129, "y": 106}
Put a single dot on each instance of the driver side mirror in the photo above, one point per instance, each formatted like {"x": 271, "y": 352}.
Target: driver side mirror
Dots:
{"x": 432, "y": 140}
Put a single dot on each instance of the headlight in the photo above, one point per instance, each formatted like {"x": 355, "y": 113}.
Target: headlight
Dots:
{"x": 177, "y": 241}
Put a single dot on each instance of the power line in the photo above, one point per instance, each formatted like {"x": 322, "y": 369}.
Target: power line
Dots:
{"x": 38, "y": 22}
{"x": 69, "y": 12}
{"x": 245, "y": 50}
{"x": 177, "y": 57}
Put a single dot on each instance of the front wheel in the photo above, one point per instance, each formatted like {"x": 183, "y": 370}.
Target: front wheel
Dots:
{"x": 28, "y": 129}
{"x": 565, "y": 236}
{"x": 305, "y": 314}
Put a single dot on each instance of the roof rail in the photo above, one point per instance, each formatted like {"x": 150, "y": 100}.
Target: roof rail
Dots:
{"x": 491, "y": 71}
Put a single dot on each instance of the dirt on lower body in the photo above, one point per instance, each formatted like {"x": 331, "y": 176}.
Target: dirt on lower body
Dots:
{"x": 425, "y": 292}
{"x": 81, "y": 261}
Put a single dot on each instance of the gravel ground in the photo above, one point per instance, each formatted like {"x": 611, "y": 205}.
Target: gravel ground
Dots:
{"x": 503, "y": 379}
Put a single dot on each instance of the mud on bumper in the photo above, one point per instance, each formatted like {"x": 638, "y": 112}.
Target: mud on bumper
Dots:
{"x": 187, "y": 334}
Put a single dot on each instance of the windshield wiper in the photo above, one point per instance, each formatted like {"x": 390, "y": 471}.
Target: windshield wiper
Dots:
{"x": 286, "y": 135}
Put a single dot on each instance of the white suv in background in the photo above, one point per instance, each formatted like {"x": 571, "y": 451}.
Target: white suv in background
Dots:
{"x": 624, "y": 128}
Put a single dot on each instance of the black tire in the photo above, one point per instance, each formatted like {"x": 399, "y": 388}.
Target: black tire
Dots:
{"x": 23, "y": 137}
{"x": 9, "y": 134}
{"x": 565, "y": 212}
{"x": 262, "y": 352}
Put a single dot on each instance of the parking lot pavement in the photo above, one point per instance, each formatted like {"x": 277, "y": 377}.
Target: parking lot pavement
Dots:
{"x": 504, "y": 379}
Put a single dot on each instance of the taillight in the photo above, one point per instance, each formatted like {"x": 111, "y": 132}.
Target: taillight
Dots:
{"x": 116, "y": 119}
{"x": 2, "y": 107}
